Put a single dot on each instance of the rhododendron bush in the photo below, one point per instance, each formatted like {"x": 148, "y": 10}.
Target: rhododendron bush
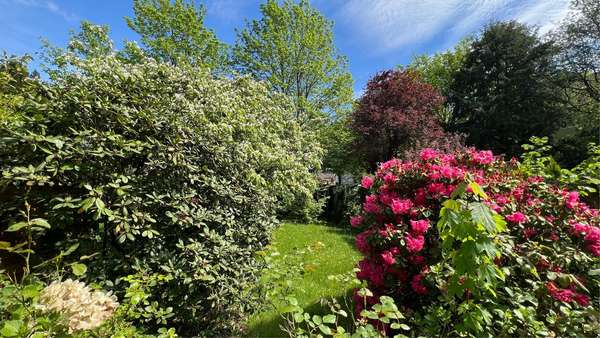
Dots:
{"x": 511, "y": 255}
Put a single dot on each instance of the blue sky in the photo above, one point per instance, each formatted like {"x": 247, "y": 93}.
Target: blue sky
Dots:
{"x": 373, "y": 34}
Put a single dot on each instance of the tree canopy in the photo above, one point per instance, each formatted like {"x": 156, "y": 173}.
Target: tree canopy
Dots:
{"x": 174, "y": 32}
{"x": 291, "y": 47}
{"x": 504, "y": 93}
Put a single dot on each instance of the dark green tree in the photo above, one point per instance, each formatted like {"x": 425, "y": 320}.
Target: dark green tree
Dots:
{"x": 291, "y": 48}
{"x": 174, "y": 32}
{"x": 505, "y": 92}
{"x": 579, "y": 61}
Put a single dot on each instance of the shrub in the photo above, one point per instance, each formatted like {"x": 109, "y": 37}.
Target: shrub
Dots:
{"x": 157, "y": 170}
{"x": 516, "y": 261}
{"x": 396, "y": 114}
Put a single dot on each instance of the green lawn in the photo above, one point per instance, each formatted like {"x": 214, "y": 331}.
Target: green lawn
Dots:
{"x": 324, "y": 251}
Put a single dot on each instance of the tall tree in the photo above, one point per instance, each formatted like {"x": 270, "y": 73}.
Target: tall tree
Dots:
{"x": 504, "y": 92}
{"x": 395, "y": 114}
{"x": 291, "y": 48}
{"x": 579, "y": 60}
{"x": 579, "y": 39}
{"x": 173, "y": 31}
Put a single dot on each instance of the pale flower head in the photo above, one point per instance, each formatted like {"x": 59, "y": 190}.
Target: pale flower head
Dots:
{"x": 82, "y": 307}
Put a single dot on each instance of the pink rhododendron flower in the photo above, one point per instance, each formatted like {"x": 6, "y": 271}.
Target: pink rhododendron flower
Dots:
{"x": 483, "y": 157}
{"x": 593, "y": 234}
{"x": 417, "y": 285}
{"x": 419, "y": 227}
{"x": 572, "y": 199}
{"x": 367, "y": 182}
{"x": 361, "y": 242}
{"x": 356, "y": 220}
{"x": 420, "y": 196}
{"x": 389, "y": 178}
{"x": 388, "y": 258}
{"x": 579, "y": 228}
{"x": 417, "y": 260}
{"x": 517, "y": 217}
{"x": 414, "y": 243}
{"x": 400, "y": 207}
{"x": 529, "y": 233}
{"x": 594, "y": 248}
{"x": 428, "y": 154}
{"x": 501, "y": 199}
{"x": 582, "y": 299}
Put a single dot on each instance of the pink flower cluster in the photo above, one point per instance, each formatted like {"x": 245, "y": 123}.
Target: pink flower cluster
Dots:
{"x": 402, "y": 200}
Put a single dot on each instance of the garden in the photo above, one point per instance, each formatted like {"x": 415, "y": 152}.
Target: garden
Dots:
{"x": 182, "y": 187}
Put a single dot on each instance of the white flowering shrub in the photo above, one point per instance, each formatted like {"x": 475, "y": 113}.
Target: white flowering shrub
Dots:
{"x": 158, "y": 170}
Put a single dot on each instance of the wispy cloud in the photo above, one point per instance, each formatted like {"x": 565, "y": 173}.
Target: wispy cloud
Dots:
{"x": 48, "y": 5}
{"x": 389, "y": 25}
{"x": 228, "y": 10}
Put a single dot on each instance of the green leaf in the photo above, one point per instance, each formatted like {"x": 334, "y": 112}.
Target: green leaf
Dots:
{"x": 325, "y": 329}
{"x": 594, "y": 272}
{"x": 11, "y": 328}
{"x": 17, "y": 226}
{"x": 71, "y": 249}
{"x": 40, "y": 222}
{"x": 4, "y": 245}
{"x": 78, "y": 269}
{"x": 476, "y": 188}
{"x": 481, "y": 214}
{"x": 329, "y": 319}
{"x": 30, "y": 291}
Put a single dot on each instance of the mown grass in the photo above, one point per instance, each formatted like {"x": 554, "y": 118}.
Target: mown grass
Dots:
{"x": 325, "y": 251}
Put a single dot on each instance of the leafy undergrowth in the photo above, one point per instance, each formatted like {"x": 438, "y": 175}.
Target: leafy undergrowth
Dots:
{"x": 306, "y": 255}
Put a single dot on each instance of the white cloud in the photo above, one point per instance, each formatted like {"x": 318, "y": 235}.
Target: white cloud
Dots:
{"x": 50, "y": 6}
{"x": 228, "y": 10}
{"x": 388, "y": 25}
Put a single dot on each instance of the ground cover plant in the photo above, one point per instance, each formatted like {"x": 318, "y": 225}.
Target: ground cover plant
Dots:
{"x": 467, "y": 244}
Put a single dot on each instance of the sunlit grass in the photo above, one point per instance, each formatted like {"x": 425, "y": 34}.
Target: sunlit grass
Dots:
{"x": 327, "y": 251}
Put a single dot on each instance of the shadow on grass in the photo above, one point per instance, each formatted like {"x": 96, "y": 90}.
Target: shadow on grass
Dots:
{"x": 271, "y": 327}
{"x": 346, "y": 233}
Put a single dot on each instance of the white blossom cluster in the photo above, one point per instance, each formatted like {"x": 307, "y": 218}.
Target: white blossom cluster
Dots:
{"x": 83, "y": 308}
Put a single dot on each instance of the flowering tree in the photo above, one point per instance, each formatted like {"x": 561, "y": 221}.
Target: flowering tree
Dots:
{"x": 394, "y": 113}
{"x": 515, "y": 261}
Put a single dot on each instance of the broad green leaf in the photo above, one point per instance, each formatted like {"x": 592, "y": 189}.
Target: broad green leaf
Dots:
{"x": 17, "y": 226}
{"x": 78, "y": 269}
{"x": 11, "y": 328}
{"x": 40, "y": 222}
{"x": 329, "y": 319}
{"x": 476, "y": 188}
{"x": 481, "y": 214}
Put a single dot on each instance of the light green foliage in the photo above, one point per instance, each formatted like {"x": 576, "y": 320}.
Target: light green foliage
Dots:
{"x": 162, "y": 169}
{"x": 303, "y": 324}
{"x": 173, "y": 31}
{"x": 15, "y": 84}
{"x": 439, "y": 69}
{"x": 291, "y": 48}
{"x": 468, "y": 232}
{"x": 308, "y": 262}
{"x": 91, "y": 41}
{"x": 338, "y": 141}
{"x": 584, "y": 177}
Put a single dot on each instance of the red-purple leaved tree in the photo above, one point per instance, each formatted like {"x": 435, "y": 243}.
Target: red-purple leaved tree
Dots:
{"x": 396, "y": 114}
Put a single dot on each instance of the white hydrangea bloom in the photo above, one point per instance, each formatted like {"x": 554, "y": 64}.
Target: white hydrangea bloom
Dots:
{"x": 83, "y": 308}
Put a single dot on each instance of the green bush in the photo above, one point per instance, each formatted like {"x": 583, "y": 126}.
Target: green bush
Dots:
{"x": 158, "y": 170}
